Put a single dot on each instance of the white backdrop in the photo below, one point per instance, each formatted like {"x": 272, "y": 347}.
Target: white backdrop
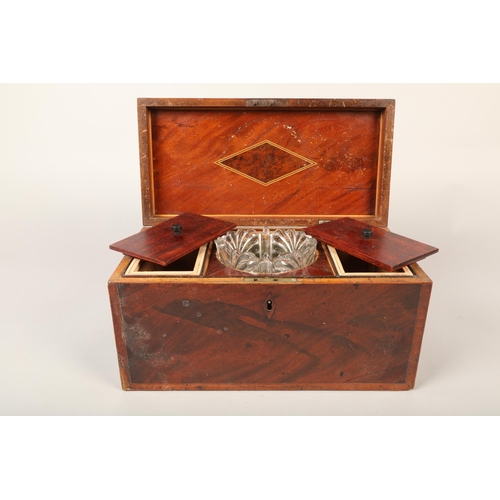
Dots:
{"x": 70, "y": 187}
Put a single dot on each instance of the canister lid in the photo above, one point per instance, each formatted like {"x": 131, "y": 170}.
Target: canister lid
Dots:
{"x": 378, "y": 246}
{"x": 170, "y": 240}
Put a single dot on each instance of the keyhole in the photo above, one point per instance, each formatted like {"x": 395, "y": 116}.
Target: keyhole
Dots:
{"x": 269, "y": 306}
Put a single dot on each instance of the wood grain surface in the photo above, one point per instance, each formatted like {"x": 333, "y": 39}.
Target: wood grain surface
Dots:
{"x": 276, "y": 162}
{"x": 384, "y": 249}
{"x": 221, "y": 336}
{"x": 161, "y": 245}
{"x": 348, "y": 143}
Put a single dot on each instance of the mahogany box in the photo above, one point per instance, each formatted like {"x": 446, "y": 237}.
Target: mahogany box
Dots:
{"x": 353, "y": 319}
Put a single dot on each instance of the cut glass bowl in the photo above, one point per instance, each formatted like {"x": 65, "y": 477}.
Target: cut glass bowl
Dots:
{"x": 266, "y": 252}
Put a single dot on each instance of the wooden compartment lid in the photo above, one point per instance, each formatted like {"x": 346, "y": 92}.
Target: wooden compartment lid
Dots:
{"x": 170, "y": 240}
{"x": 266, "y": 161}
{"x": 380, "y": 247}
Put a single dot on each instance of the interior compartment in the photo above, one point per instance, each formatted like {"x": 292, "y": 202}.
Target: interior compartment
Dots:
{"x": 188, "y": 265}
{"x": 348, "y": 265}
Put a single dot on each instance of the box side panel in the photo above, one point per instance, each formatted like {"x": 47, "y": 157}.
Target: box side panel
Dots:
{"x": 425, "y": 296}
{"x": 118, "y": 325}
{"x": 254, "y": 336}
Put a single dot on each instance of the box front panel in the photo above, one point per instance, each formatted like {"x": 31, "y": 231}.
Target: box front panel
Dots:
{"x": 255, "y": 336}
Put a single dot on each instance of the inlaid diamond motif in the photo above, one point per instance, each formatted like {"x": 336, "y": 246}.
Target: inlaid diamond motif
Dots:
{"x": 265, "y": 162}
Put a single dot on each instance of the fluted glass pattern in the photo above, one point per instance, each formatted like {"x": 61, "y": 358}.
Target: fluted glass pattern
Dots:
{"x": 266, "y": 252}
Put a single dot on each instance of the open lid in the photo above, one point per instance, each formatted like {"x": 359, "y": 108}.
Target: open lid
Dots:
{"x": 169, "y": 241}
{"x": 389, "y": 251}
{"x": 266, "y": 161}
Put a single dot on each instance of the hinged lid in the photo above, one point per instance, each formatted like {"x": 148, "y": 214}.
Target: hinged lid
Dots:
{"x": 168, "y": 241}
{"x": 379, "y": 247}
{"x": 266, "y": 161}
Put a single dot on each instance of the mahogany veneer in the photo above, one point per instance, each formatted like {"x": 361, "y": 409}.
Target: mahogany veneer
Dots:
{"x": 162, "y": 245}
{"x": 322, "y": 333}
{"x": 192, "y": 151}
{"x": 379, "y": 247}
{"x": 281, "y": 163}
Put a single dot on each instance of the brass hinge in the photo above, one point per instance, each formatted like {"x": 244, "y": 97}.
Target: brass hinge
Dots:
{"x": 265, "y": 103}
{"x": 270, "y": 280}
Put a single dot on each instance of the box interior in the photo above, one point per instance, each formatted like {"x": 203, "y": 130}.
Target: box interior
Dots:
{"x": 193, "y": 264}
{"x": 188, "y": 265}
{"x": 348, "y": 265}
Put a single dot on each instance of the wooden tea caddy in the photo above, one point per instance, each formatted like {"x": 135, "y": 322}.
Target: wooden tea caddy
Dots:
{"x": 352, "y": 320}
